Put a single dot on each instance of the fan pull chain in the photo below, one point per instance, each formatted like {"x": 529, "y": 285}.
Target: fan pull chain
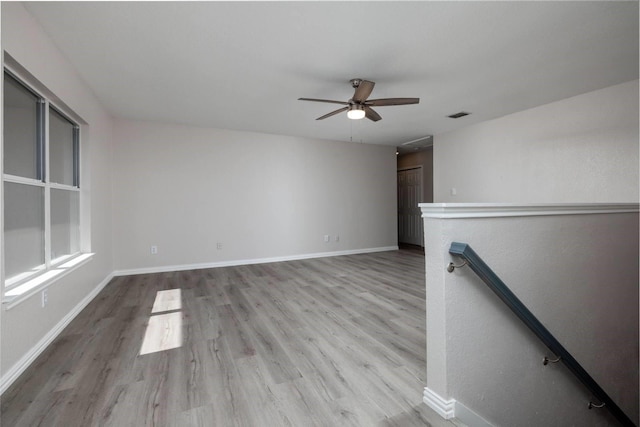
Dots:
{"x": 351, "y": 130}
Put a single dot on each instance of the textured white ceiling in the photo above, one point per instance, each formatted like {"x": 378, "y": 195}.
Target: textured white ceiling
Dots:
{"x": 242, "y": 65}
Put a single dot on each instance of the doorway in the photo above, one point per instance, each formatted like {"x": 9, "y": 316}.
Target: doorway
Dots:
{"x": 409, "y": 215}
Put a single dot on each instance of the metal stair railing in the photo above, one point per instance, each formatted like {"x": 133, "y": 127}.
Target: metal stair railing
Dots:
{"x": 487, "y": 275}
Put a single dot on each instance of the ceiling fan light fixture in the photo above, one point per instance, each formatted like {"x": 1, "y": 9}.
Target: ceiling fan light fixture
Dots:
{"x": 356, "y": 112}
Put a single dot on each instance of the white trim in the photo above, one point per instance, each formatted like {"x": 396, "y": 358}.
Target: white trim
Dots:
{"x": 495, "y": 210}
{"x": 468, "y": 417}
{"x": 21, "y": 365}
{"x": 56, "y": 186}
{"x": 444, "y": 408}
{"x": 232, "y": 263}
{"x": 22, "y": 180}
{"x": 28, "y": 283}
{"x": 18, "y": 72}
{"x": 47, "y": 189}
{"x": 15, "y": 294}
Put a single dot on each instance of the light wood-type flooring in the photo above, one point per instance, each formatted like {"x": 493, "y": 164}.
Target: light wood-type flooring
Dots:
{"x": 336, "y": 341}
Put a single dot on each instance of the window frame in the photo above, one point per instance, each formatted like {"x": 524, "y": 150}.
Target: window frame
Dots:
{"x": 33, "y": 280}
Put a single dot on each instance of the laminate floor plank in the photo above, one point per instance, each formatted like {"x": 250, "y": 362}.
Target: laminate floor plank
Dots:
{"x": 265, "y": 408}
{"x": 404, "y": 341}
{"x": 328, "y": 370}
{"x": 128, "y": 406}
{"x": 349, "y": 365}
{"x": 305, "y": 406}
{"x": 340, "y": 332}
{"x": 336, "y": 341}
{"x": 357, "y": 410}
{"x": 332, "y": 301}
{"x": 205, "y": 318}
{"x": 290, "y": 335}
{"x": 214, "y": 289}
{"x": 272, "y": 353}
{"x": 43, "y": 411}
{"x": 235, "y": 333}
{"x": 272, "y": 302}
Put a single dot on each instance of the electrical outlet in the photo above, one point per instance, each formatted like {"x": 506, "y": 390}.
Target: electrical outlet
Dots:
{"x": 327, "y": 238}
{"x": 219, "y": 245}
{"x": 154, "y": 250}
{"x": 45, "y": 298}
{"x": 337, "y": 237}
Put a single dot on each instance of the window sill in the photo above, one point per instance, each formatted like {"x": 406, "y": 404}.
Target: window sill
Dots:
{"x": 20, "y": 293}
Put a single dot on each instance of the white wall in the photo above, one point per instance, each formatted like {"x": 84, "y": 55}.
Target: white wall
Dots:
{"x": 184, "y": 189}
{"x": 577, "y": 273}
{"x": 581, "y": 149}
{"x": 27, "y": 325}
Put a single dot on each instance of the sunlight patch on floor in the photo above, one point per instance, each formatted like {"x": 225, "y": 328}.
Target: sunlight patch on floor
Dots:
{"x": 168, "y": 300}
{"x": 164, "y": 330}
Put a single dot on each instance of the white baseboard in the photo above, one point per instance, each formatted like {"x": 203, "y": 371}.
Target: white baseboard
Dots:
{"x": 452, "y": 408}
{"x": 444, "y": 408}
{"x": 232, "y": 263}
{"x": 21, "y": 365}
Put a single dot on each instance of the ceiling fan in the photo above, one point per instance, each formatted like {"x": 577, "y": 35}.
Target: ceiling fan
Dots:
{"x": 359, "y": 107}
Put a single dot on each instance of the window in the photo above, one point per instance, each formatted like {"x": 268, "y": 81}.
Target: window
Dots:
{"x": 41, "y": 184}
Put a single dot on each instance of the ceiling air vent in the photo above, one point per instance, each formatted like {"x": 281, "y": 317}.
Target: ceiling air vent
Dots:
{"x": 458, "y": 115}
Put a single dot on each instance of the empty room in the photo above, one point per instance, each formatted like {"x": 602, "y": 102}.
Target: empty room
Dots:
{"x": 319, "y": 214}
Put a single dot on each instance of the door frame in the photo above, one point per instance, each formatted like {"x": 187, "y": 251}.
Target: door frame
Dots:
{"x": 405, "y": 168}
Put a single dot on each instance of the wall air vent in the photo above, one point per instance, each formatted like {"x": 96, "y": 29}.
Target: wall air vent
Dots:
{"x": 458, "y": 115}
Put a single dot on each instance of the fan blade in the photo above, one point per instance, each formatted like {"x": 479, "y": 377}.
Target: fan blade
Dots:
{"x": 333, "y": 113}
{"x": 371, "y": 115}
{"x": 392, "y": 101}
{"x": 323, "y": 100}
{"x": 363, "y": 91}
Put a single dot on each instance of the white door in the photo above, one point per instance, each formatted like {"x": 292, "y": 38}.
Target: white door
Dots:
{"x": 409, "y": 215}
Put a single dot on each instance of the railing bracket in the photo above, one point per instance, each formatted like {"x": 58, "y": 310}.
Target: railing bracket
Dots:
{"x": 452, "y": 266}
{"x": 546, "y": 360}
{"x": 593, "y": 405}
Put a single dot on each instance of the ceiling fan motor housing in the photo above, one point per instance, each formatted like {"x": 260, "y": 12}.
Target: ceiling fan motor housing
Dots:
{"x": 355, "y": 82}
